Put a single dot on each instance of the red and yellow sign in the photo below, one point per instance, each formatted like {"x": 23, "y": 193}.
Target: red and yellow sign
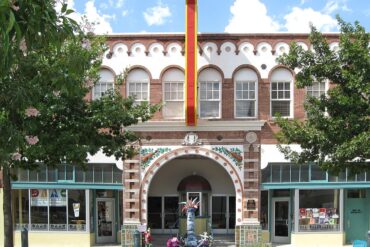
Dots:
{"x": 191, "y": 43}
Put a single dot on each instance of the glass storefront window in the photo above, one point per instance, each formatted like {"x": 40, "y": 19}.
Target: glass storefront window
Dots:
{"x": 21, "y": 206}
{"x": 76, "y": 210}
{"x": 318, "y": 210}
{"x": 58, "y": 209}
{"x": 48, "y": 209}
{"x": 39, "y": 209}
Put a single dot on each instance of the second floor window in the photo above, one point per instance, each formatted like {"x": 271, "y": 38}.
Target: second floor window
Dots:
{"x": 174, "y": 100}
{"x": 280, "y": 98}
{"x": 105, "y": 83}
{"x": 245, "y": 99}
{"x": 137, "y": 85}
{"x": 316, "y": 89}
{"x": 138, "y": 90}
{"x": 209, "y": 99}
{"x": 282, "y": 93}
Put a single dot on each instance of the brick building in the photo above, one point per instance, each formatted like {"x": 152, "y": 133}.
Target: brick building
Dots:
{"x": 229, "y": 160}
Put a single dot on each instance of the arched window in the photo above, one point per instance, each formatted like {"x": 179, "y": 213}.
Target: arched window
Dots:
{"x": 138, "y": 85}
{"x": 173, "y": 94}
{"x": 245, "y": 84}
{"x": 105, "y": 83}
{"x": 282, "y": 93}
{"x": 210, "y": 94}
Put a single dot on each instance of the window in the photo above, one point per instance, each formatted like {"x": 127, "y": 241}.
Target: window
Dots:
{"x": 245, "y": 93}
{"x": 174, "y": 100}
{"x": 281, "y": 93}
{"x": 210, "y": 94}
{"x": 173, "y": 91}
{"x": 105, "y": 83}
{"x": 50, "y": 210}
{"x": 138, "y": 85}
{"x": 209, "y": 99}
{"x": 245, "y": 99}
{"x": 319, "y": 210}
{"x": 316, "y": 90}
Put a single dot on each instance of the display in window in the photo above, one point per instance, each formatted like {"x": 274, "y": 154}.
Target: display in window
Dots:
{"x": 318, "y": 216}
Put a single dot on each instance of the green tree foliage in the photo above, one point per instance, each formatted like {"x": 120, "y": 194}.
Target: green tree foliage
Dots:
{"x": 336, "y": 132}
{"x": 48, "y": 65}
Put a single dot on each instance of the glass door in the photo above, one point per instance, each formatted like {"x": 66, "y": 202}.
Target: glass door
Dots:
{"x": 106, "y": 232}
{"x": 171, "y": 213}
{"x": 155, "y": 213}
{"x": 281, "y": 221}
{"x": 223, "y": 214}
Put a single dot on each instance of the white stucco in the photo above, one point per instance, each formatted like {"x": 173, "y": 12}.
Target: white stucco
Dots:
{"x": 101, "y": 158}
{"x": 271, "y": 154}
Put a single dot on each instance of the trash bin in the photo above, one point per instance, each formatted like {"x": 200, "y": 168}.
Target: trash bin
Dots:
{"x": 24, "y": 237}
{"x": 137, "y": 239}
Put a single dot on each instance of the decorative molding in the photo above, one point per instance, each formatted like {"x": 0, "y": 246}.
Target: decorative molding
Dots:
{"x": 176, "y": 126}
{"x": 251, "y": 137}
{"x": 233, "y": 153}
{"x": 149, "y": 154}
{"x": 191, "y": 139}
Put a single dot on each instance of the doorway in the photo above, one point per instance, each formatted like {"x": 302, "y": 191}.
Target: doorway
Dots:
{"x": 105, "y": 220}
{"x": 357, "y": 215}
{"x": 163, "y": 214}
{"x": 223, "y": 214}
{"x": 280, "y": 220}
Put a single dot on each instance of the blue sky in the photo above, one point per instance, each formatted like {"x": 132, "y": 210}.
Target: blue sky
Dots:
{"x": 246, "y": 16}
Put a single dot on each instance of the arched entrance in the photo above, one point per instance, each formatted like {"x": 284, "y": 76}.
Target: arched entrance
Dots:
{"x": 161, "y": 191}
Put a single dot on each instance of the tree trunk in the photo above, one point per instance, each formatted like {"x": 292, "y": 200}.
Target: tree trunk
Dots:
{"x": 7, "y": 207}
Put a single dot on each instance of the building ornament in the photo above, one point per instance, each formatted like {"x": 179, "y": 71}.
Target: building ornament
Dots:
{"x": 251, "y": 137}
{"x": 191, "y": 139}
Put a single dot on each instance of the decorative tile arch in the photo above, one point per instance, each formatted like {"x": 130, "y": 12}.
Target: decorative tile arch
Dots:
{"x": 219, "y": 158}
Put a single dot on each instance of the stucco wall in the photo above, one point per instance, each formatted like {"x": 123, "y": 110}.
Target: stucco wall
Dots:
{"x": 165, "y": 182}
{"x": 50, "y": 239}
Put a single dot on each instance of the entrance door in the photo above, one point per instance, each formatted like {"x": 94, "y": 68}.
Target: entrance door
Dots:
{"x": 357, "y": 215}
{"x": 223, "y": 214}
{"x": 281, "y": 221}
{"x": 163, "y": 214}
{"x": 105, "y": 220}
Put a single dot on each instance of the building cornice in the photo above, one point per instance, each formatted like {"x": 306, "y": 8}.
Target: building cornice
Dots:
{"x": 150, "y": 126}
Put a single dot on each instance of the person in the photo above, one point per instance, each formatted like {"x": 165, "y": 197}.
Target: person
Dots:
{"x": 173, "y": 242}
{"x": 148, "y": 238}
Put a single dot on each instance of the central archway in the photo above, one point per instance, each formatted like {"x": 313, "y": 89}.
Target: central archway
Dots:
{"x": 230, "y": 172}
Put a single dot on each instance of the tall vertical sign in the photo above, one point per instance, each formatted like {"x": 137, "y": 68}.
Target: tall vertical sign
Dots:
{"x": 191, "y": 75}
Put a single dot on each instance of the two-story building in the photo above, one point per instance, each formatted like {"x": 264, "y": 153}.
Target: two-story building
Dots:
{"x": 229, "y": 160}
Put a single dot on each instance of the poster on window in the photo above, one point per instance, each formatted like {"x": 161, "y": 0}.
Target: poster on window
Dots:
{"x": 57, "y": 197}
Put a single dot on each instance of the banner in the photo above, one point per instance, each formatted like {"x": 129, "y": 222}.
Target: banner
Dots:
{"x": 191, "y": 74}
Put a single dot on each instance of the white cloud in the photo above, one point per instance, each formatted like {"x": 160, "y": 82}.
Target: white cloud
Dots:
{"x": 125, "y": 12}
{"x": 119, "y": 3}
{"x": 333, "y": 6}
{"x": 299, "y": 20}
{"x": 250, "y": 16}
{"x": 100, "y": 21}
{"x": 157, "y": 15}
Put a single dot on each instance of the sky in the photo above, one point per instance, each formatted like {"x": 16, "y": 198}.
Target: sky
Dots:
{"x": 219, "y": 16}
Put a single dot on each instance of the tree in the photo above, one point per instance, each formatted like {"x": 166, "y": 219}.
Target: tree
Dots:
{"x": 48, "y": 65}
{"x": 336, "y": 132}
